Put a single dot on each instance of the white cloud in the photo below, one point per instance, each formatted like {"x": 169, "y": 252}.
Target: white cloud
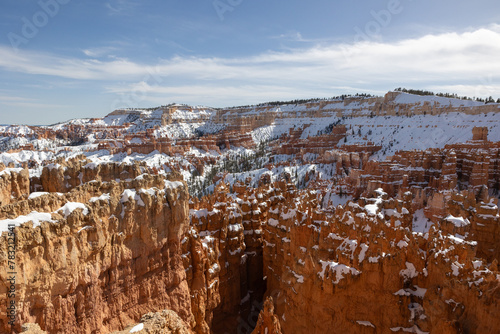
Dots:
{"x": 444, "y": 61}
{"x": 99, "y": 51}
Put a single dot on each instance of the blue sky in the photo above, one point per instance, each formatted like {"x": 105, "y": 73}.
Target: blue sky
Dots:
{"x": 63, "y": 59}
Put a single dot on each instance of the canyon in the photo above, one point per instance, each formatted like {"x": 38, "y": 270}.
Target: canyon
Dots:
{"x": 352, "y": 215}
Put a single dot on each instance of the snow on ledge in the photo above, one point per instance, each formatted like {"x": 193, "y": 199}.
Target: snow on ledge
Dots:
{"x": 457, "y": 221}
{"x": 137, "y": 328}
{"x": 413, "y": 329}
{"x": 338, "y": 269}
{"x": 36, "y": 217}
{"x": 409, "y": 272}
{"x": 103, "y": 197}
{"x": 131, "y": 193}
{"x": 10, "y": 171}
{"x": 419, "y": 292}
{"x": 365, "y": 323}
{"x": 173, "y": 184}
{"x": 37, "y": 194}
{"x": 69, "y": 207}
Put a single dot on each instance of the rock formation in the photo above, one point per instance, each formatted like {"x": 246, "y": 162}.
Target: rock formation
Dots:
{"x": 108, "y": 253}
{"x": 14, "y": 184}
{"x": 164, "y": 322}
{"x": 195, "y": 220}
{"x": 268, "y": 322}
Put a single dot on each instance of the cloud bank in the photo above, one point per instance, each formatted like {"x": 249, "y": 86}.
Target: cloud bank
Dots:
{"x": 465, "y": 63}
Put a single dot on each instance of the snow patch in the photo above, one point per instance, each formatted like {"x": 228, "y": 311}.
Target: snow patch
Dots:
{"x": 69, "y": 207}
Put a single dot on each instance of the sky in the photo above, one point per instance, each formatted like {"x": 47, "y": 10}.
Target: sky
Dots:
{"x": 65, "y": 59}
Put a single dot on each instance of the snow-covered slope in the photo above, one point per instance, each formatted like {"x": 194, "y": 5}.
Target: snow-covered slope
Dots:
{"x": 415, "y": 130}
{"x": 405, "y": 98}
{"x": 420, "y": 131}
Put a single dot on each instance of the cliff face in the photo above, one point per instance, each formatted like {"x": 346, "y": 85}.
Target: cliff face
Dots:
{"x": 357, "y": 268}
{"x": 226, "y": 230}
{"x": 292, "y": 144}
{"x": 14, "y": 184}
{"x": 363, "y": 270}
{"x": 110, "y": 252}
{"x": 62, "y": 176}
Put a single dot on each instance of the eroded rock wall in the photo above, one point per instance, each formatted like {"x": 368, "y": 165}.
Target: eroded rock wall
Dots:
{"x": 111, "y": 252}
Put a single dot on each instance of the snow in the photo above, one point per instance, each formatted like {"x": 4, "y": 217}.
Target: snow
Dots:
{"x": 407, "y": 98}
{"x": 37, "y": 194}
{"x": 131, "y": 194}
{"x": 455, "y": 267}
{"x": 338, "y": 269}
{"x": 198, "y": 213}
{"x": 457, "y": 221}
{"x": 409, "y": 272}
{"x": 364, "y": 248}
{"x": 460, "y": 239}
{"x": 84, "y": 228}
{"x": 413, "y": 329}
{"x": 365, "y": 323}
{"x": 335, "y": 199}
{"x": 36, "y": 217}
{"x": 10, "y": 171}
{"x": 103, "y": 197}
{"x": 372, "y": 209}
{"x": 137, "y": 328}
{"x": 418, "y": 292}
{"x": 420, "y": 223}
{"x": 173, "y": 184}
{"x": 348, "y": 245}
{"x": 416, "y": 310}
{"x": 207, "y": 240}
{"x": 19, "y": 157}
{"x": 290, "y": 214}
{"x": 300, "y": 278}
{"x": 235, "y": 227}
{"x": 91, "y": 165}
{"x": 53, "y": 166}
{"x": 135, "y": 140}
{"x": 69, "y": 207}
{"x": 451, "y": 301}
{"x": 273, "y": 222}
{"x": 392, "y": 132}
{"x": 420, "y": 132}
{"x": 402, "y": 244}
{"x": 16, "y": 129}
{"x": 214, "y": 269}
